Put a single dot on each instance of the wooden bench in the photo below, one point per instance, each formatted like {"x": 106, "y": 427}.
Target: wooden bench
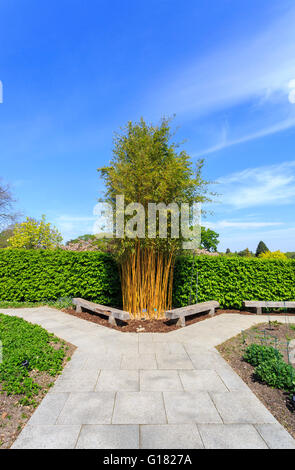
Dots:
{"x": 113, "y": 313}
{"x": 260, "y": 304}
{"x": 182, "y": 312}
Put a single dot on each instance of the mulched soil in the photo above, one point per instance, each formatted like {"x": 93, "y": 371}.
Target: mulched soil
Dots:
{"x": 13, "y": 416}
{"x": 278, "y": 402}
{"x": 148, "y": 326}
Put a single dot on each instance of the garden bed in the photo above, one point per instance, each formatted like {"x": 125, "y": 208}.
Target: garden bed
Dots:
{"x": 32, "y": 360}
{"x": 150, "y": 326}
{"x": 278, "y": 402}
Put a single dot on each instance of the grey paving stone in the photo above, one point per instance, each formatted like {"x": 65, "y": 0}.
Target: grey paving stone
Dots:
{"x": 276, "y": 436}
{"x": 47, "y": 437}
{"x": 76, "y": 381}
{"x": 190, "y": 407}
{"x": 232, "y": 380}
{"x": 49, "y": 409}
{"x": 107, "y": 361}
{"x": 139, "y": 408}
{"x": 206, "y": 380}
{"x": 118, "y": 380}
{"x": 108, "y": 437}
{"x": 206, "y": 360}
{"x": 159, "y": 380}
{"x": 88, "y": 408}
{"x": 241, "y": 407}
{"x": 170, "y": 436}
{"x": 231, "y": 436}
{"x": 162, "y": 348}
{"x": 139, "y": 361}
{"x": 173, "y": 361}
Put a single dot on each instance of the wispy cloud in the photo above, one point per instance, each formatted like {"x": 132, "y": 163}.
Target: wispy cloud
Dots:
{"x": 240, "y": 225}
{"x": 227, "y": 142}
{"x": 273, "y": 184}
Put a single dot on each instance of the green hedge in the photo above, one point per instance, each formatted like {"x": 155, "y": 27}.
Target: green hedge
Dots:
{"x": 232, "y": 280}
{"x": 36, "y": 275}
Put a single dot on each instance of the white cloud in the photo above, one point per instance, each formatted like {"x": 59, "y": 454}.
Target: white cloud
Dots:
{"x": 274, "y": 184}
{"x": 240, "y": 225}
{"x": 227, "y": 142}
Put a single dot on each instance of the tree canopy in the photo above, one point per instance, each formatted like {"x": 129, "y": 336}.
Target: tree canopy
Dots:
{"x": 33, "y": 234}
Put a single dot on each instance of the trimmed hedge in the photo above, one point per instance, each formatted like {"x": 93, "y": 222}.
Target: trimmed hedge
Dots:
{"x": 37, "y": 275}
{"x": 230, "y": 280}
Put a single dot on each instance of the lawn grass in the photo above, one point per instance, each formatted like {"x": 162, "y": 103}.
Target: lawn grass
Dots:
{"x": 64, "y": 302}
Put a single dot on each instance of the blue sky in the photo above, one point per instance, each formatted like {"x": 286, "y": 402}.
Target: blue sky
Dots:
{"x": 74, "y": 72}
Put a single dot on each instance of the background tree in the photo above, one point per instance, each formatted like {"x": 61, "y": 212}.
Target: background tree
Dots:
{"x": 261, "y": 248}
{"x": 6, "y": 201}
{"x": 209, "y": 239}
{"x": 228, "y": 251}
{"x": 33, "y": 234}
{"x": 147, "y": 167}
{"x": 5, "y": 235}
{"x": 246, "y": 253}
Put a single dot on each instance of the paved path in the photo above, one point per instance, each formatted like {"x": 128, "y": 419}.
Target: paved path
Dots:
{"x": 148, "y": 390}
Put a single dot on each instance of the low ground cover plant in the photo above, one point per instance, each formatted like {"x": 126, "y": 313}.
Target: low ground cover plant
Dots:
{"x": 27, "y": 350}
{"x": 270, "y": 367}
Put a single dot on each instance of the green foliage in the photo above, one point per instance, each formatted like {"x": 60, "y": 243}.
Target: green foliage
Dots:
{"x": 48, "y": 275}
{"x": 148, "y": 167}
{"x": 209, "y": 239}
{"x": 276, "y": 373}
{"x": 247, "y": 253}
{"x": 230, "y": 280}
{"x": 255, "y": 354}
{"x": 34, "y": 234}
{"x": 290, "y": 254}
{"x": 26, "y": 348}
{"x": 273, "y": 255}
{"x": 261, "y": 248}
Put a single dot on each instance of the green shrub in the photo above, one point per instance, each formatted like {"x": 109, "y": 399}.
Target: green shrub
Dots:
{"x": 48, "y": 275}
{"x": 230, "y": 280}
{"x": 255, "y": 354}
{"x": 26, "y": 347}
{"x": 277, "y": 374}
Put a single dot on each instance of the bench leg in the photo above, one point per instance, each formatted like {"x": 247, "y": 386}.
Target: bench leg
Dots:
{"x": 180, "y": 321}
{"x": 212, "y": 312}
{"x": 78, "y": 308}
{"x": 258, "y": 310}
{"x": 112, "y": 320}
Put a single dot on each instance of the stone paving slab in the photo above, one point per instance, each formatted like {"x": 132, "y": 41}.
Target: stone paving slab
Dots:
{"x": 190, "y": 407}
{"x": 170, "y": 436}
{"x": 88, "y": 408}
{"x": 108, "y": 437}
{"x": 47, "y": 437}
{"x": 139, "y": 408}
{"x": 231, "y": 436}
{"x": 149, "y": 390}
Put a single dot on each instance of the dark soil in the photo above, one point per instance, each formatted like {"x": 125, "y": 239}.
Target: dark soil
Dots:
{"x": 278, "y": 402}
{"x": 13, "y": 416}
{"x": 148, "y": 326}
{"x": 138, "y": 326}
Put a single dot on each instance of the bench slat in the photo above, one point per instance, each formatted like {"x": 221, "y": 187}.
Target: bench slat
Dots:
{"x": 271, "y": 304}
{"x": 183, "y": 312}
{"x": 103, "y": 309}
